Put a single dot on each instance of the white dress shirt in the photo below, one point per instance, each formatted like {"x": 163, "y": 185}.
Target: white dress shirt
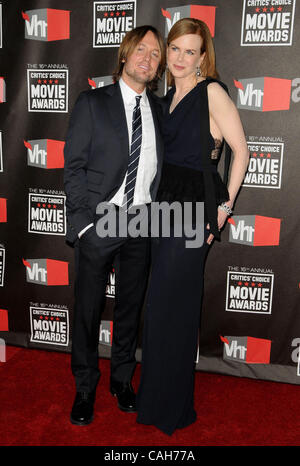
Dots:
{"x": 148, "y": 159}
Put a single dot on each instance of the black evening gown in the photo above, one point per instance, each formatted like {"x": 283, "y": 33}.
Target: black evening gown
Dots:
{"x": 165, "y": 396}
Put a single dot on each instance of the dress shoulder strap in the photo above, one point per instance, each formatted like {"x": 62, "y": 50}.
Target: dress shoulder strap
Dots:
{"x": 227, "y": 148}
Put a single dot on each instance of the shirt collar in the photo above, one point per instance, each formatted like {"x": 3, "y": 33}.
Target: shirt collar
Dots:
{"x": 129, "y": 94}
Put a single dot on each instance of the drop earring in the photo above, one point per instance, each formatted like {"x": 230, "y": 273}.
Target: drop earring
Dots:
{"x": 198, "y": 71}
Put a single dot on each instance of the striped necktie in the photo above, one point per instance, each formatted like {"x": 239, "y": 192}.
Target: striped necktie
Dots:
{"x": 135, "y": 149}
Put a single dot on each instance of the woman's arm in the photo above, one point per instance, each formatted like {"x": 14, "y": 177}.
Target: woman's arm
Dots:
{"x": 225, "y": 122}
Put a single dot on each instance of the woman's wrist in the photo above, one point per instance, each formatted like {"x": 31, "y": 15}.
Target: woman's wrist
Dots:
{"x": 226, "y": 207}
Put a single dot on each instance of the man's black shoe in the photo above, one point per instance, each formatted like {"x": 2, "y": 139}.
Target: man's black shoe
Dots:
{"x": 125, "y": 395}
{"x": 82, "y": 412}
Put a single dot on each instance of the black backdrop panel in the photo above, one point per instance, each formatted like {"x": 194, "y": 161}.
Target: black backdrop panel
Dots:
{"x": 53, "y": 49}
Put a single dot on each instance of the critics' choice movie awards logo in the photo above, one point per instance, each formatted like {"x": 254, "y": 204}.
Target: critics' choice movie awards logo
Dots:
{"x": 111, "y": 284}
{"x": 49, "y": 326}
{"x": 112, "y": 20}
{"x": 100, "y": 81}
{"x": 249, "y": 292}
{"x": 2, "y": 264}
{"x": 268, "y": 22}
{"x": 47, "y": 90}
{"x": 106, "y": 332}
{"x": 254, "y": 230}
{"x": 265, "y": 164}
{"x": 248, "y": 350}
{"x": 263, "y": 94}
{"x": 47, "y": 272}
{"x": 45, "y": 153}
{"x": 47, "y": 214}
{"x": 47, "y": 24}
{"x": 205, "y": 13}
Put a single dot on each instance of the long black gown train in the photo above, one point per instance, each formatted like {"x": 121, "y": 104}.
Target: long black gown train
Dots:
{"x": 172, "y": 317}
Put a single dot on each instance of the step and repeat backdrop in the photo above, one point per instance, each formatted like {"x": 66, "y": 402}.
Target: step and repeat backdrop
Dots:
{"x": 50, "y": 51}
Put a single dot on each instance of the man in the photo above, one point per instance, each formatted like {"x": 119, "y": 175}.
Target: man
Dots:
{"x": 112, "y": 130}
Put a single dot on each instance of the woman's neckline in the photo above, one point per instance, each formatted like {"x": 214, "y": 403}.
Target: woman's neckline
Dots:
{"x": 184, "y": 97}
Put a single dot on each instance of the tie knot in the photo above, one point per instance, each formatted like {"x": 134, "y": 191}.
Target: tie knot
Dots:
{"x": 138, "y": 99}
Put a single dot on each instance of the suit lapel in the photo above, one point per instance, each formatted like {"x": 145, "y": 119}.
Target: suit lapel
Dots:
{"x": 116, "y": 110}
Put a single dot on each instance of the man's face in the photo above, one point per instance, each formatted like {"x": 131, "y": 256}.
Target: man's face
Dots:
{"x": 141, "y": 66}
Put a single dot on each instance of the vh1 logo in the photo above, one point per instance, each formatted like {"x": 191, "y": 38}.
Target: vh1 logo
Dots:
{"x": 45, "y": 153}
{"x": 1, "y": 153}
{"x": 3, "y": 320}
{"x": 47, "y": 272}
{"x": 100, "y": 81}
{"x": 247, "y": 349}
{"x": 106, "y": 332}
{"x": 254, "y": 230}
{"x": 264, "y": 94}
{"x": 2, "y": 90}
{"x": 47, "y": 24}
{"x": 2, "y": 350}
{"x": 207, "y": 14}
{"x": 3, "y": 210}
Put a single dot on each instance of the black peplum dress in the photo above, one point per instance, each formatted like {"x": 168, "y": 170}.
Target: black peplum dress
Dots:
{"x": 165, "y": 396}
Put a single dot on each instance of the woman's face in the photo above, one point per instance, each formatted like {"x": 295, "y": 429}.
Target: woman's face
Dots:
{"x": 184, "y": 56}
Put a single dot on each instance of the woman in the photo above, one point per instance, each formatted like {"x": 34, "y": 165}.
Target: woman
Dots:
{"x": 199, "y": 116}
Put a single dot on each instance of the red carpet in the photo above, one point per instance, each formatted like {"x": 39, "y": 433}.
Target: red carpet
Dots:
{"x": 37, "y": 390}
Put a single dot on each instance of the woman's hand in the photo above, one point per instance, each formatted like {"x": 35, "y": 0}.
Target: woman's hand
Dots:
{"x": 222, "y": 218}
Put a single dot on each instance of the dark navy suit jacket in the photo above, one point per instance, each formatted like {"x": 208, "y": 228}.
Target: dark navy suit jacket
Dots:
{"x": 97, "y": 151}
